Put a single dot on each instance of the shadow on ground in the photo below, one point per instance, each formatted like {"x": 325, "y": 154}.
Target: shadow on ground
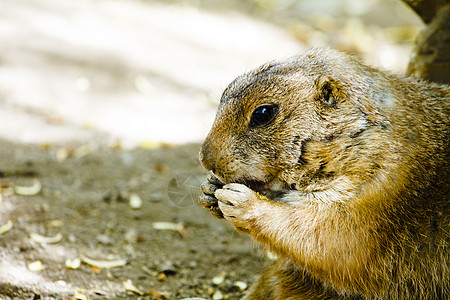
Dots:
{"x": 86, "y": 199}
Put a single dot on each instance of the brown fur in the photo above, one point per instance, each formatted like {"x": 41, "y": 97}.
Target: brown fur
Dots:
{"x": 349, "y": 184}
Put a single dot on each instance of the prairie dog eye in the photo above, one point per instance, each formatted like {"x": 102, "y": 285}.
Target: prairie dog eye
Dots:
{"x": 263, "y": 114}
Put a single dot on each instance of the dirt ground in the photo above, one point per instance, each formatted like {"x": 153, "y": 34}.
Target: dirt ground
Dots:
{"x": 86, "y": 199}
{"x": 103, "y": 107}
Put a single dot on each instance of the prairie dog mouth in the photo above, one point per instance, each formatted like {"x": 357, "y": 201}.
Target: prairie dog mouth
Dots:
{"x": 266, "y": 188}
{"x": 256, "y": 185}
{"x": 272, "y": 189}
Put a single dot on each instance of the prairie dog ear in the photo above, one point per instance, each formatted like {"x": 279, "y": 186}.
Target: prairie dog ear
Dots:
{"x": 328, "y": 91}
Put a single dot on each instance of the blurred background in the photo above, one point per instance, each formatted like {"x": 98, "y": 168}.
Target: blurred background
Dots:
{"x": 144, "y": 72}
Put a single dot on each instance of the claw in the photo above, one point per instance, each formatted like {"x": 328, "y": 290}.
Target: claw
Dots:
{"x": 207, "y": 201}
{"x": 216, "y": 212}
{"x": 214, "y": 180}
{"x": 208, "y": 188}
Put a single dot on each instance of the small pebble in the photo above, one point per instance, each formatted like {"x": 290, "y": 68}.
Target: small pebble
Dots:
{"x": 35, "y": 266}
{"x": 61, "y": 283}
{"x": 161, "y": 277}
{"x": 104, "y": 239}
{"x": 167, "y": 268}
{"x": 135, "y": 201}
{"x": 242, "y": 286}
{"x": 79, "y": 297}
{"x": 193, "y": 264}
{"x": 218, "y": 295}
{"x": 73, "y": 263}
{"x": 219, "y": 279}
{"x": 131, "y": 236}
{"x": 72, "y": 238}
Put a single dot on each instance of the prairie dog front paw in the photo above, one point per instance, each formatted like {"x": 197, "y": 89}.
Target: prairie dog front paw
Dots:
{"x": 207, "y": 199}
{"x": 236, "y": 202}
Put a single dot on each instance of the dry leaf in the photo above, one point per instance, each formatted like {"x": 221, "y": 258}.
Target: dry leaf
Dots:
{"x": 79, "y": 297}
{"x": 31, "y": 190}
{"x": 129, "y": 286}
{"x": 157, "y": 295}
{"x": 44, "y": 239}
{"x": 55, "y": 223}
{"x": 105, "y": 264}
{"x": 7, "y": 227}
{"x": 170, "y": 226}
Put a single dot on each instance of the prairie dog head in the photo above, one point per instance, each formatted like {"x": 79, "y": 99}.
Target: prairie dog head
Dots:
{"x": 268, "y": 118}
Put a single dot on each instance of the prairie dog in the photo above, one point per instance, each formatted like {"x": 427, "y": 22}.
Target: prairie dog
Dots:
{"x": 340, "y": 169}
